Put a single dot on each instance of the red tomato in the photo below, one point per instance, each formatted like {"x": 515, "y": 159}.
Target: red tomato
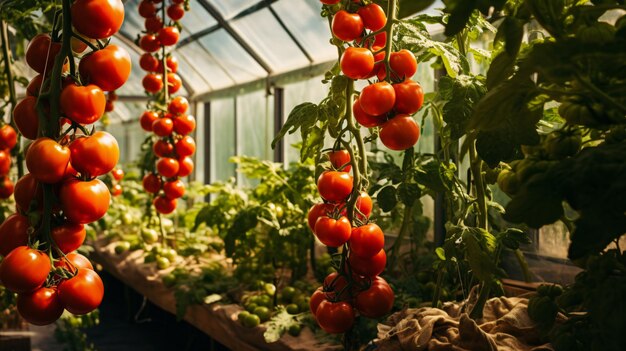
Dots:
{"x": 376, "y": 301}
{"x": 317, "y": 211}
{"x": 117, "y": 173}
{"x": 37, "y": 51}
{"x": 34, "y": 86}
{"x": 153, "y": 24}
{"x": 357, "y": 63}
{"x": 367, "y": 240}
{"x": 26, "y": 189}
{"x": 364, "y": 119}
{"x": 47, "y": 160}
{"x": 84, "y": 202}
{"x": 316, "y": 298}
{"x": 178, "y": 105}
{"x": 147, "y": 9}
{"x": 334, "y": 186}
{"x": 168, "y": 167}
{"x": 379, "y": 60}
{"x": 40, "y": 307}
{"x": 335, "y": 284}
{"x": 68, "y": 236}
{"x": 171, "y": 62}
{"x": 184, "y": 124}
{"x": 380, "y": 40}
{"x": 147, "y": 119}
{"x": 116, "y": 190}
{"x": 174, "y": 189}
{"x": 108, "y": 68}
{"x": 175, "y": 12}
{"x": 95, "y": 155}
{"x": 347, "y": 26}
{"x": 185, "y": 166}
{"x": 162, "y": 148}
{"x": 6, "y": 188}
{"x": 97, "y": 19}
{"x": 8, "y": 137}
{"x": 329, "y": 2}
{"x": 378, "y": 98}
{"x": 152, "y": 83}
{"x": 335, "y": 317}
{"x": 174, "y": 83}
{"x": 340, "y": 160}
{"x": 73, "y": 261}
{"x": 5, "y": 162}
{"x": 13, "y": 233}
{"x": 163, "y": 127}
{"x": 364, "y": 204}
{"x": 152, "y": 183}
{"x": 185, "y": 146}
{"x": 373, "y": 16}
{"x": 82, "y": 293}
{"x": 409, "y": 97}
{"x": 24, "y": 269}
{"x": 168, "y": 36}
{"x": 26, "y": 117}
{"x": 83, "y": 104}
{"x": 368, "y": 266}
{"x": 78, "y": 47}
{"x": 164, "y": 205}
{"x": 109, "y": 106}
{"x": 402, "y": 63}
{"x": 149, "y": 63}
{"x": 400, "y": 133}
{"x": 333, "y": 232}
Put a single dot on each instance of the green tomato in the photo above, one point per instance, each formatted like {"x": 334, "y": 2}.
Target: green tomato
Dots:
{"x": 162, "y": 262}
{"x": 577, "y": 113}
{"x": 264, "y": 300}
{"x": 294, "y": 329}
{"x": 242, "y": 316}
{"x": 122, "y": 247}
{"x": 292, "y": 308}
{"x": 127, "y": 218}
{"x": 270, "y": 289}
{"x": 263, "y": 312}
{"x": 251, "y": 320}
{"x": 169, "y": 280}
{"x": 149, "y": 235}
{"x": 149, "y": 258}
{"x": 596, "y": 33}
{"x": 507, "y": 181}
{"x": 288, "y": 293}
{"x": 560, "y": 146}
{"x": 170, "y": 254}
{"x": 251, "y": 307}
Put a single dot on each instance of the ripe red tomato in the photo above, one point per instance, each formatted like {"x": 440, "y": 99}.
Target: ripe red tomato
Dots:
{"x": 184, "y": 124}
{"x": 24, "y": 269}
{"x": 376, "y": 301}
{"x": 147, "y": 9}
{"x": 168, "y": 167}
{"x": 26, "y": 189}
{"x": 163, "y": 148}
{"x": 40, "y": 307}
{"x": 84, "y": 202}
{"x": 95, "y": 155}
{"x": 178, "y": 105}
{"x": 82, "y": 293}
{"x": 149, "y": 63}
{"x": 402, "y": 63}
{"x": 378, "y": 98}
{"x": 357, "y": 63}
{"x": 83, "y": 104}
{"x": 366, "y": 240}
{"x": 400, "y": 133}
{"x": 26, "y": 117}
{"x": 340, "y": 159}
{"x": 335, "y": 287}
{"x": 163, "y": 127}
{"x": 174, "y": 189}
{"x": 175, "y": 12}
{"x": 97, "y": 19}
{"x": 108, "y": 68}
{"x": 185, "y": 146}
{"x": 185, "y": 166}
{"x": 37, "y": 51}
{"x": 316, "y": 298}
{"x": 174, "y": 83}
{"x": 116, "y": 190}
{"x": 317, "y": 211}
{"x": 368, "y": 266}
{"x": 347, "y": 26}
{"x": 334, "y": 186}
{"x": 147, "y": 119}
{"x": 380, "y": 40}
{"x": 329, "y": 2}
{"x": 6, "y": 188}
{"x": 151, "y": 183}
{"x": 171, "y": 62}
{"x": 34, "y": 86}
{"x": 8, "y": 137}
{"x": 73, "y": 261}
{"x": 5, "y": 162}
{"x": 117, "y": 173}
{"x": 153, "y": 24}
{"x": 364, "y": 119}
{"x": 47, "y": 160}
{"x": 153, "y": 83}
{"x": 68, "y": 236}
{"x": 13, "y": 233}
{"x": 335, "y": 317}
{"x": 373, "y": 16}
{"x": 109, "y": 106}
{"x": 164, "y": 205}
{"x": 364, "y": 204}
{"x": 409, "y": 97}
{"x": 333, "y": 232}
{"x": 168, "y": 36}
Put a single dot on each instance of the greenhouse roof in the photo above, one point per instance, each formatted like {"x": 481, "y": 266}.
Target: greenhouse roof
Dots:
{"x": 223, "y": 45}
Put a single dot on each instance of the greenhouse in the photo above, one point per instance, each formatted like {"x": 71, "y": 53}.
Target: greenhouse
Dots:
{"x": 281, "y": 175}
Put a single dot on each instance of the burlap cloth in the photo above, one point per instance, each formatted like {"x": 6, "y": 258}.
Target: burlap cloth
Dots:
{"x": 505, "y": 326}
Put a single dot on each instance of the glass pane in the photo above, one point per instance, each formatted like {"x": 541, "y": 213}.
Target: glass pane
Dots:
{"x": 133, "y": 22}
{"x": 205, "y": 65}
{"x": 191, "y": 76}
{"x": 308, "y": 27}
{"x": 231, "y": 8}
{"x": 195, "y": 20}
{"x": 129, "y": 137}
{"x": 222, "y": 139}
{"x": 232, "y": 57}
{"x": 271, "y": 41}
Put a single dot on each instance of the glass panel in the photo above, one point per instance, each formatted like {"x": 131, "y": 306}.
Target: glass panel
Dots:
{"x": 271, "y": 41}
{"x": 308, "y": 27}
{"x": 203, "y": 62}
{"x": 231, "y": 8}
{"x": 133, "y": 22}
{"x": 191, "y": 76}
{"x": 232, "y": 57}
{"x": 195, "y": 20}
{"x": 129, "y": 137}
{"x": 222, "y": 139}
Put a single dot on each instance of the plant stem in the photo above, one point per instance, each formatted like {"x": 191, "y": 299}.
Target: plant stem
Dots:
{"x": 166, "y": 96}
{"x": 391, "y": 18}
{"x": 476, "y": 166}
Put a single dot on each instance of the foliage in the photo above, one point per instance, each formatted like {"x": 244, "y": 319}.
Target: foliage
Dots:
{"x": 69, "y": 331}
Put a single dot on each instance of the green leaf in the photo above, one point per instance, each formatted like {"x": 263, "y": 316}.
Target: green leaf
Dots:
{"x": 313, "y": 142}
{"x": 387, "y": 198}
{"x": 279, "y": 324}
{"x": 482, "y": 265}
{"x": 460, "y": 12}
{"x": 302, "y": 116}
{"x": 409, "y": 7}
{"x": 409, "y": 193}
{"x": 441, "y": 253}
{"x": 536, "y": 204}
{"x": 462, "y": 94}
{"x": 501, "y": 68}
{"x": 496, "y": 146}
{"x": 435, "y": 175}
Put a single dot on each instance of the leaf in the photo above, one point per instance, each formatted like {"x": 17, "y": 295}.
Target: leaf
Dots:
{"x": 501, "y": 68}
{"x": 313, "y": 142}
{"x": 213, "y": 298}
{"x": 387, "y": 198}
{"x": 409, "y": 193}
{"x": 460, "y": 12}
{"x": 302, "y": 116}
{"x": 536, "y": 204}
{"x": 279, "y": 324}
{"x": 409, "y": 7}
{"x": 441, "y": 253}
{"x": 435, "y": 175}
{"x": 483, "y": 267}
{"x": 462, "y": 94}
{"x": 496, "y": 146}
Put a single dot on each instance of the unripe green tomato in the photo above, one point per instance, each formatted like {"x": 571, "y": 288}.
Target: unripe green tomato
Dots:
{"x": 149, "y": 235}
{"x": 264, "y": 300}
{"x": 122, "y": 247}
{"x": 242, "y": 315}
{"x": 127, "y": 218}
{"x": 292, "y": 308}
{"x": 562, "y": 146}
{"x": 251, "y": 307}
{"x": 263, "y": 312}
{"x": 270, "y": 289}
{"x": 508, "y": 182}
{"x": 575, "y": 113}
{"x": 170, "y": 254}
{"x": 596, "y": 33}
{"x": 149, "y": 258}
{"x": 169, "y": 280}
{"x": 294, "y": 330}
{"x": 162, "y": 262}
{"x": 288, "y": 293}
{"x": 251, "y": 320}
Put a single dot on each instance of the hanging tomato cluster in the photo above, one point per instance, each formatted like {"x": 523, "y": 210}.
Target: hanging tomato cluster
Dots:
{"x": 8, "y": 140}
{"x": 117, "y": 174}
{"x": 111, "y": 97}
{"x": 166, "y": 117}
{"x": 62, "y": 193}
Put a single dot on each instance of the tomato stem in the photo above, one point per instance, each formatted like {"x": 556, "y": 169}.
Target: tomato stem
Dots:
{"x": 391, "y": 18}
